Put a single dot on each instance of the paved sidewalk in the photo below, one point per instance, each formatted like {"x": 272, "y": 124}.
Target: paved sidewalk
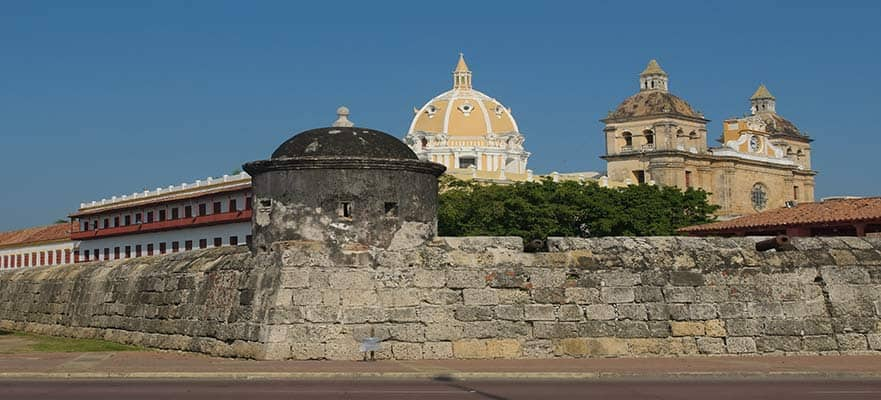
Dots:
{"x": 156, "y": 364}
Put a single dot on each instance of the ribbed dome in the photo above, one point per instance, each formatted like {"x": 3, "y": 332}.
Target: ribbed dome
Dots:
{"x": 653, "y": 103}
{"x": 342, "y": 141}
{"x": 463, "y": 111}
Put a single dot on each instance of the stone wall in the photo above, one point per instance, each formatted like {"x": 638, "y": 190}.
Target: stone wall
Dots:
{"x": 472, "y": 298}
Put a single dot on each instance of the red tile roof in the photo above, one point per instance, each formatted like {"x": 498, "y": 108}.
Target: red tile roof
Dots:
{"x": 829, "y": 212}
{"x": 38, "y": 234}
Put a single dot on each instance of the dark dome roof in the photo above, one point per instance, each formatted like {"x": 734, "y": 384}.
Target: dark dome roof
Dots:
{"x": 653, "y": 102}
{"x": 348, "y": 142}
{"x": 778, "y": 125}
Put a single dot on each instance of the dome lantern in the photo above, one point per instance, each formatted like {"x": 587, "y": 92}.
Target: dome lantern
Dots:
{"x": 653, "y": 77}
{"x": 462, "y": 75}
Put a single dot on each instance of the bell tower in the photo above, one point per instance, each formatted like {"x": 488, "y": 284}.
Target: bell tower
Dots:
{"x": 653, "y": 77}
{"x": 762, "y": 101}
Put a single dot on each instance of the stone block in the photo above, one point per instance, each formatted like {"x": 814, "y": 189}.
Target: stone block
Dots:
{"x": 407, "y": 351}
{"x": 631, "y": 329}
{"x": 537, "y": 349}
{"x": 700, "y": 311}
{"x": 710, "y": 345}
{"x": 434, "y": 313}
{"x": 305, "y": 297}
{"x": 554, "y": 330}
{"x": 819, "y": 343}
{"x": 399, "y": 297}
{"x": 712, "y": 294}
{"x": 480, "y": 330}
{"x": 679, "y": 294}
{"x": 539, "y": 312}
{"x": 716, "y": 328}
{"x": 465, "y": 279}
{"x": 441, "y": 296}
{"x": 874, "y": 341}
{"x": 596, "y": 328}
{"x": 648, "y": 294}
{"x": 503, "y": 348}
{"x": 635, "y": 312}
{"x": 352, "y": 279}
{"x": 406, "y": 314}
{"x": 294, "y": 278}
{"x": 509, "y": 312}
{"x": 407, "y": 332}
{"x": 600, "y": 312}
{"x": 768, "y": 344}
{"x": 480, "y": 297}
{"x": 437, "y": 350}
{"x": 580, "y": 295}
{"x": 593, "y": 347}
{"x": 741, "y": 345}
{"x": 678, "y": 311}
{"x": 765, "y": 310}
{"x": 619, "y": 278}
{"x": 851, "y": 341}
{"x": 358, "y": 298}
{"x": 743, "y": 327}
{"x": 322, "y": 313}
{"x": 657, "y": 311}
{"x": 474, "y": 313}
{"x": 307, "y": 351}
{"x": 508, "y": 278}
{"x": 686, "y": 278}
{"x": 513, "y": 296}
{"x": 547, "y": 277}
{"x": 617, "y": 295}
{"x": 444, "y": 331}
{"x": 343, "y": 349}
{"x": 687, "y": 328}
{"x": 361, "y": 315}
{"x": 731, "y": 310}
{"x": 549, "y": 295}
{"x": 429, "y": 278}
{"x": 469, "y": 349}
{"x": 570, "y": 312}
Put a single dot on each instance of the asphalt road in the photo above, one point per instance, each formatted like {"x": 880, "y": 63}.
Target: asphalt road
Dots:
{"x": 430, "y": 390}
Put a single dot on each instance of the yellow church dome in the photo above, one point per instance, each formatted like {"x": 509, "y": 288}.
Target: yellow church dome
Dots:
{"x": 463, "y": 111}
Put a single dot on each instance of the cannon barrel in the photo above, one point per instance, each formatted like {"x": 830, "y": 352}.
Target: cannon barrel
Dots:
{"x": 778, "y": 242}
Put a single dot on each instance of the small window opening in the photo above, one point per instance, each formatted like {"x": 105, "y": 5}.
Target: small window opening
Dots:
{"x": 345, "y": 209}
{"x": 391, "y": 209}
{"x": 265, "y": 202}
{"x": 467, "y": 162}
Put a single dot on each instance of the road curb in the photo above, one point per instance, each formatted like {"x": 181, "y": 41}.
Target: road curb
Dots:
{"x": 451, "y": 376}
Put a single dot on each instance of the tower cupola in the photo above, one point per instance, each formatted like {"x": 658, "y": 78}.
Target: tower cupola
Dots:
{"x": 762, "y": 101}
{"x": 653, "y": 77}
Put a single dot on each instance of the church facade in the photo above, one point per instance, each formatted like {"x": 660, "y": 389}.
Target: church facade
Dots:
{"x": 656, "y": 137}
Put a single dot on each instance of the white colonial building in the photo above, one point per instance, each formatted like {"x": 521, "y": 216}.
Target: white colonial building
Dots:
{"x": 211, "y": 213}
{"x": 37, "y": 246}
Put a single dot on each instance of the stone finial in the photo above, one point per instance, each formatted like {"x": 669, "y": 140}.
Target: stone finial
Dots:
{"x": 342, "y": 120}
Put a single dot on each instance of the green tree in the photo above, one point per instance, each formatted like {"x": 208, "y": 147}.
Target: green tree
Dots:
{"x": 536, "y": 210}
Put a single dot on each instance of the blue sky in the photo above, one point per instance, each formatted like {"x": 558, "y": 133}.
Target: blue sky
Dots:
{"x": 106, "y": 98}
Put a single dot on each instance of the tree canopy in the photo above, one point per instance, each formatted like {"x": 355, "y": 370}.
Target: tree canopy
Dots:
{"x": 536, "y": 210}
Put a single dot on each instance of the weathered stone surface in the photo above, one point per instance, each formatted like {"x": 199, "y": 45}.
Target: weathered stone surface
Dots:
{"x": 470, "y": 298}
{"x": 739, "y": 345}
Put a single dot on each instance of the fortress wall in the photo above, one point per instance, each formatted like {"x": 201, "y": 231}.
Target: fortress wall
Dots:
{"x": 209, "y": 301}
{"x": 471, "y": 298}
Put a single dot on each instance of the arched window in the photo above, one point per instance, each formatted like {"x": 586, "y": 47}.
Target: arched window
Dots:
{"x": 628, "y": 139}
{"x": 649, "y": 137}
{"x": 424, "y": 142}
